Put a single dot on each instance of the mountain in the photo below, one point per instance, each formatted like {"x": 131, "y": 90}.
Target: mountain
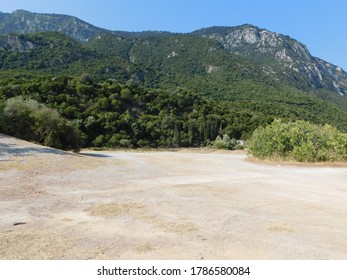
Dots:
{"x": 24, "y": 22}
{"x": 57, "y": 53}
{"x": 180, "y": 61}
{"x": 280, "y": 56}
{"x": 242, "y": 64}
{"x": 160, "y": 88}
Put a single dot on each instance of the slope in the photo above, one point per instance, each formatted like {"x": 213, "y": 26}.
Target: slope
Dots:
{"x": 24, "y": 22}
{"x": 195, "y": 62}
{"x": 280, "y": 56}
{"x": 203, "y": 66}
{"x": 56, "y": 53}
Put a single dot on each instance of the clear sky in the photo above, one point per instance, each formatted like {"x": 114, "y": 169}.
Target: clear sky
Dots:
{"x": 320, "y": 24}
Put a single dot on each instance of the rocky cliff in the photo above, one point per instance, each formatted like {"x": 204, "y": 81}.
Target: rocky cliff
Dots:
{"x": 280, "y": 56}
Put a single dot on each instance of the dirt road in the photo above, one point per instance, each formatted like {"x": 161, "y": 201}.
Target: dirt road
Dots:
{"x": 166, "y": 205}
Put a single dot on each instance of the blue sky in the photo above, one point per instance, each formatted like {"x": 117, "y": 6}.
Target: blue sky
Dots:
{"x": 320, "y": 25}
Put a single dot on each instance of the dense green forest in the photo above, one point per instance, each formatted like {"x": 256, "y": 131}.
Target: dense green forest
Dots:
{"x": 126, "y": 115}
{"x": 111, "y": 114}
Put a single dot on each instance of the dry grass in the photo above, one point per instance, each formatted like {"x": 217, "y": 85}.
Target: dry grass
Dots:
{"x": 288, "y": 162}
{"x": 48, "y": 163}
{"x": 280, "y": 227}
{"x": 144, "y": 248}
{"x": 27, "y": 244}
{"x": 200, "y": 150}
{"x": 140, "y": 212}
{"x": 111, "y": 210}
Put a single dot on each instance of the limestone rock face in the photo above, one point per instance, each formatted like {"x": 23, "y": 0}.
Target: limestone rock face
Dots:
{"x": 281, "y": 56}
{"x": 15, "y": 43}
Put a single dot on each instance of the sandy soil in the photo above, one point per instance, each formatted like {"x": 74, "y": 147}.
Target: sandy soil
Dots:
{"x": 166, "y": 205}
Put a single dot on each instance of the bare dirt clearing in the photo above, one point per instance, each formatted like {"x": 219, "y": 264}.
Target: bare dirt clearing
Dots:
{"x": 166, "y": 205}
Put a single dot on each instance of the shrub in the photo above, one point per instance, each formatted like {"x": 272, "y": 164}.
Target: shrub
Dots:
{"x": 300, "y": 141}
{"x": 126, "y": 143}
{"x": 224, "y": 143}
{"x": 32, "y": 121}
{"x": 143, "y": 143}
{"x": 18, "y": 117}
{"x": 99, "y": 141}
{"x": 239, "y": 147}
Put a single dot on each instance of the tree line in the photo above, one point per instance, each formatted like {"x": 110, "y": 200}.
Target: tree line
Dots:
{"x": 71, "y": 112}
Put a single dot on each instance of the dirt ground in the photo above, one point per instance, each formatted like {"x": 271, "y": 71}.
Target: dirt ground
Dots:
{"x": 188, "y": 204}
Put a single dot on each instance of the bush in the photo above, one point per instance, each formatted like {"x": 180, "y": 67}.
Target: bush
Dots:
{"x": 224, "y": 143}
{"x": 239, "y": 147}
{"x": 99, "y": 141}
{"x": 19, "y": 119}
{"x": 143, "y": 143}
{"x": 32, "y": 121}
{"x": 300, "y": 141}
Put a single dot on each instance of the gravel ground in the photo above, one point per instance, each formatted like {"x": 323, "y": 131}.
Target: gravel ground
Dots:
{"x": 187, "y": 204}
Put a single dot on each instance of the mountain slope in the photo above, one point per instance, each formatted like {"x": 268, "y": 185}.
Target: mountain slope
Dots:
{"x": 252, "y": 72}
{"x": 280, "y": 56}
{"x": 24, "y": 22}
{"x": 204, "y": 66}
{"x": 56, "y": 53}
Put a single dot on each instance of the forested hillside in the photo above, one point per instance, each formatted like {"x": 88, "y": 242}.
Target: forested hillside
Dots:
{"x": 123, "y": 89}
{"x": 114, "y": 115}
{"x": 127, "y": 115}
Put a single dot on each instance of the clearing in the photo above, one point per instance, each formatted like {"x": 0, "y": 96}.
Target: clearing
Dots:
{"x": 185, "y": 204}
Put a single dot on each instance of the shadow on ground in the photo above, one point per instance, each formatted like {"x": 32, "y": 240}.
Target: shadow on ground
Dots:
{"x": 95, "y": 155}
{"x": 8, "y": 150}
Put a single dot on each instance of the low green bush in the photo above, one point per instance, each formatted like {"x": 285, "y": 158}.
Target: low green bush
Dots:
{"x": 300, "y": 141}
{"x": 224, "y": 143}
{"x": 33, "y": 121}
{"x": 239, "y": 147}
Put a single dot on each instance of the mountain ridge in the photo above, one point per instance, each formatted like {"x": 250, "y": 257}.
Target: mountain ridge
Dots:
{"x": 280, "y": 56}
{"x": 24, "y": 22}
{"x": 281, "y": 53}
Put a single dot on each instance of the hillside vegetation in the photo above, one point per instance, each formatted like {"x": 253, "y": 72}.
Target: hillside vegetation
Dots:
{"x": 125, "y": 89}
{"x": 112, "y": 114}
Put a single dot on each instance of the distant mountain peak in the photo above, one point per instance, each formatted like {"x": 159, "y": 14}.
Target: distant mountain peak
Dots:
{"x": 21, "y": 11}
{"x": 24, "y": 22}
